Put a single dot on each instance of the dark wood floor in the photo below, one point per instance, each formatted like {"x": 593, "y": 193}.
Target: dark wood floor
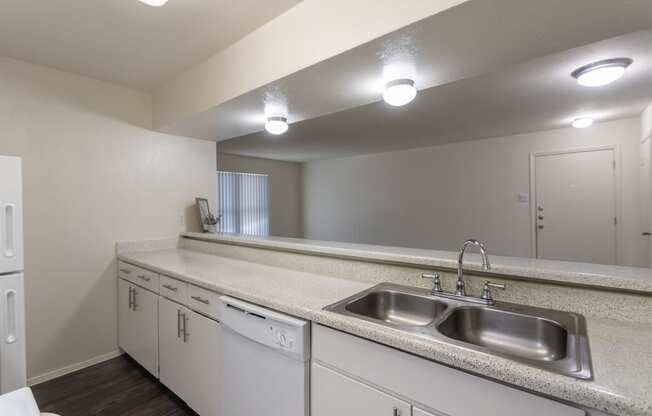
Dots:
{"x": 118, "y": 387}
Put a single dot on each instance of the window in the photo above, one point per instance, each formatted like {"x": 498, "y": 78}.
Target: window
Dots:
{"x": 243, "y": 203}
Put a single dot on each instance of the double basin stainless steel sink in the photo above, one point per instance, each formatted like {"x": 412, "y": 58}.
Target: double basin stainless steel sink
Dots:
{"x": 544, "y": 338}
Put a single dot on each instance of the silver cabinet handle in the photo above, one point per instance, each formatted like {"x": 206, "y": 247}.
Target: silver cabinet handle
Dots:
{"x": 185, "y": 328}
{"x": 199, "y": 299}
{"x": 170, "y": 287}
{"x": 396, "y": 412}
{"x": 125, "y": 271}
{"x": 134, "y": 306}
{"x": 178, "y": 323}
{"x": 145, "y": 278}
{"x": 182, "y": 330}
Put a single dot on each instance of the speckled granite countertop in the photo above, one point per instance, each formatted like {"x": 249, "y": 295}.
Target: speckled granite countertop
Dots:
{"x": 634, "y": 279}
{"x": 621, "y": 354}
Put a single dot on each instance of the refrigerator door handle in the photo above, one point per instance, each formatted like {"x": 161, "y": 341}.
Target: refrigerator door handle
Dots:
{"x": 9, "y": 230}
{"x": 10, "y": 314}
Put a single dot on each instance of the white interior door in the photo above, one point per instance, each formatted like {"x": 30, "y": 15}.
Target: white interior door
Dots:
{"x": 646, "y": 193}
{"x": 576, "y": 206}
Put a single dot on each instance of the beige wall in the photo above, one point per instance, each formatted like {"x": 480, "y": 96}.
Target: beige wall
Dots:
{"x": 284, "y": 189}
{"x": 292, "y": 41}
{"x": 437, "y": 197}
{"x": 93, "y": 174}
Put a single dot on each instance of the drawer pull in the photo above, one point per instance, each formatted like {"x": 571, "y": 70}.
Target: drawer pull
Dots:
{"x": 199, "y": 299}
{"x": 170, "y": 287}
{"x": 125, "y": 271}
{"x": 145, "y": 278}
{"x": 396, "y": 412}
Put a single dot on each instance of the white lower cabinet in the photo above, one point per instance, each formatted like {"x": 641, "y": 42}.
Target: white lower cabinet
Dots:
{"x": 173, "y": 366}
{"x": 189, "y": 356}
{"x": 418, "y": 381}
{"x": 418, "y": 412}
{"x": 138, "y": 324}
{"x": 335, "y": 394}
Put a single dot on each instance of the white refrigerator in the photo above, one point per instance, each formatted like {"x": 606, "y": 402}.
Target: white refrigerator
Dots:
{"x": 13, "y": 373}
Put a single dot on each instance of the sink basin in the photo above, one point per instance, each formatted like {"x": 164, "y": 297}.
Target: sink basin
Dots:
{"x": 397, "y": 308}
{"x": 525, "y": 336}
{"x": 553, "y": 340}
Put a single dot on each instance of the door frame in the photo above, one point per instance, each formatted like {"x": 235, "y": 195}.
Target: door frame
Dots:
{"x": 616, "y": 148}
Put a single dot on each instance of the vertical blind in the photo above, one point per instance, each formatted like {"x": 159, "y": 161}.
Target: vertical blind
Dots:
{"x": 243, "y": 203}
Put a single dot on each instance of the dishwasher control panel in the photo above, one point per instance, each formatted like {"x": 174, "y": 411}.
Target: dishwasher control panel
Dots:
{"x": 288, "y": 335}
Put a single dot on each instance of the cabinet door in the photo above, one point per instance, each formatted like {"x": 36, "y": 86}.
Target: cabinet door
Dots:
{"x": 336, "y": 394}
{"x": 138, "y": 324}
{"x": 204, "y": 366}
{"x": 173, "y": 348}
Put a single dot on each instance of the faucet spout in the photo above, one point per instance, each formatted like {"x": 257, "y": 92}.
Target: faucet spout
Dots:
{"x": 460, "y": 289}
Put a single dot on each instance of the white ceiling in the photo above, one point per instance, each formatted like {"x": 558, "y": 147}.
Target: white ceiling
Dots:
{"x": 125, "y": 41}
{"x": 475, "y": 38}
{"x": 536, "y": 95}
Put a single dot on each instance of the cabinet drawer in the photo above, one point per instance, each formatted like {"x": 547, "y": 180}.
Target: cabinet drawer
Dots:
{"x": 173, "y": 289}
{"x": 138, "y": 275}
{"x": 204, "y": 301}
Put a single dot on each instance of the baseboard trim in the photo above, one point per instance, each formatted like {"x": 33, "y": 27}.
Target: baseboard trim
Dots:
{"x": 50, "y": 375}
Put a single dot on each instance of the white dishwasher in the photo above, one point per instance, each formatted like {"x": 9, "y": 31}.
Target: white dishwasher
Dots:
{"x": 266, "y": 361}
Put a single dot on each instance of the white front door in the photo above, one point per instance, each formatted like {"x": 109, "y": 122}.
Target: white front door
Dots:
{"x": 575, "y": 197}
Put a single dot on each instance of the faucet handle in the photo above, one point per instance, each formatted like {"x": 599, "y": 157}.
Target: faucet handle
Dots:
{"x": 436, "y": 282}
{"x": 486, "y": 290}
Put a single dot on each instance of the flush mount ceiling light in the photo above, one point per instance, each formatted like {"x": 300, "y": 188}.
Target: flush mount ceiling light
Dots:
{"x": 276, "y": 125}
{"x": 399, "y": 92}
{"x": 155, "y": 3}
{"x": 582, "y": 122}
{"x": 598, "y": 74}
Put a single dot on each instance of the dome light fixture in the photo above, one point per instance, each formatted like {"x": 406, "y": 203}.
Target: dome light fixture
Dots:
{"x": 276, "y": 125}
{"x": 600, "y": 73}
{"x": 154, "y": 3}
{"x": 582, "y": 122}
{"x": 399, "y": 92}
